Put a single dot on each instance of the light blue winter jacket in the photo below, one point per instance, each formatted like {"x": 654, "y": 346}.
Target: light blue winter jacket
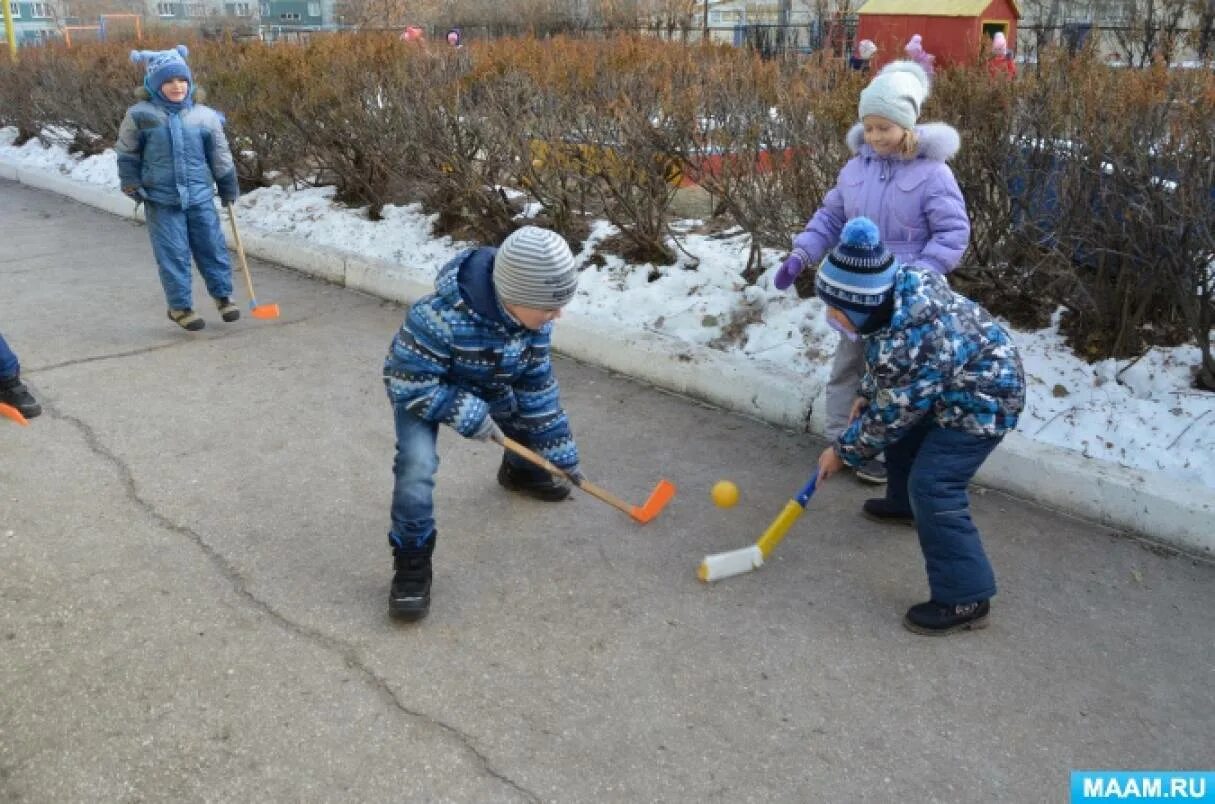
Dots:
{"x": 175, "y": 156}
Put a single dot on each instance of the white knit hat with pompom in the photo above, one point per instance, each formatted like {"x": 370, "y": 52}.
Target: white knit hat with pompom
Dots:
{"x": 896, "y": 93}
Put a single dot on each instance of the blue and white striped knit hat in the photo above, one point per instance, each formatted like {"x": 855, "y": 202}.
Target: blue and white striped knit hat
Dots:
{"x": 163, "y": 65}
{"x": 857, "y": 277}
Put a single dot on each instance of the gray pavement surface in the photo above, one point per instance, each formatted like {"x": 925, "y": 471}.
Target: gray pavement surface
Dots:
{"x": 193, "y": 581}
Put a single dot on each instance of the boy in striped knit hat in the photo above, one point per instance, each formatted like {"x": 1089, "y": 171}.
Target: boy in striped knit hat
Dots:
{"x": 943, "y": 384}
{"x": 474, "y": 355}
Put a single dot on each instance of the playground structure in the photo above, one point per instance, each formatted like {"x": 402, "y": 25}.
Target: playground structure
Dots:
{"x": 954, "y": 31}
{"x": 102, "y": 27}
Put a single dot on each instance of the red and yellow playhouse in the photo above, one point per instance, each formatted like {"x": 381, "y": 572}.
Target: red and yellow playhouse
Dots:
{"x": 955, "y": 31}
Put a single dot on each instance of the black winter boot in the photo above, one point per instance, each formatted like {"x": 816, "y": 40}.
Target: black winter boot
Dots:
{"x": 13, "y": 392}
{"x": 409, "y": 598}
{"x": 880, "y": 509}
{"x": 538, "y": 483}
{"x": 938, "y": 619}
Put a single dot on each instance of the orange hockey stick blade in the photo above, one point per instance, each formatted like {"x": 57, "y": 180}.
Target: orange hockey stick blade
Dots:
{"x": 659, "y": 497}
{"x": 10, "y": 412}
{"x": 265, "y": 311}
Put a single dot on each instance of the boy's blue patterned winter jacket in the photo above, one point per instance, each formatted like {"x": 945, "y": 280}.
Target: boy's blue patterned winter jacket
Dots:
{"x": 460, "y": 357}
{"x": 175, "y": 157}
{"x": 942, "y": 355}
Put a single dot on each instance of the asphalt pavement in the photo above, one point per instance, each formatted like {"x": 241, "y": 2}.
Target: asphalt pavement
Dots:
{"x": 194, "y": 573}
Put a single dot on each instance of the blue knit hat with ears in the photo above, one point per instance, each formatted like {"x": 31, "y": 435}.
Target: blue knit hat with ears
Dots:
{"x": 163, "y": 65}
{"x": 857, "y": 277}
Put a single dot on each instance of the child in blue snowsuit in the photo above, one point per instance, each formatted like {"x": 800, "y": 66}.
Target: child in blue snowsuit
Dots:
{"x": 943, "y": 384}
{"x": 474, "y": 355}
{"x": 172, "y": 152}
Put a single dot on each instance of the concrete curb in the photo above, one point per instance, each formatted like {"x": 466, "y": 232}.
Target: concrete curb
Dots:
{"x": 1177, "y": 513}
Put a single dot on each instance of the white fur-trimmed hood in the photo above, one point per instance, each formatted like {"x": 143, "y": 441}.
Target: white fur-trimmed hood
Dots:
{"x": 938, "y": 141}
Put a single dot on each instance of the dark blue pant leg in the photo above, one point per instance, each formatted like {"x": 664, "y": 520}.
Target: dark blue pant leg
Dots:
{"x": 899, "y": 458}
{"x": 944, "y": 465}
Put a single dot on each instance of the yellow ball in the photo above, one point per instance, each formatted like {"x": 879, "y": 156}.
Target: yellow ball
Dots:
{"x": 725, "y": 494}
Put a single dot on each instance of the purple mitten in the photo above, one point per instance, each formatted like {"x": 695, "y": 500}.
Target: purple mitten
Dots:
{"x": 788, "y": 271}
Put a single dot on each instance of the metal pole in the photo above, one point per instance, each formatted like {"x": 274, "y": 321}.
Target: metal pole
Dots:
{"x": 10, "y": 29}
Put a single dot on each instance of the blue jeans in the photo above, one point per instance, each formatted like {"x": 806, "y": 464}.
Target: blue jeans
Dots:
{"x": 414, "y": 468}
{"x": 9, "y": 367}
{"x": 176, "y": 233}
{"x": 928, "y": 471}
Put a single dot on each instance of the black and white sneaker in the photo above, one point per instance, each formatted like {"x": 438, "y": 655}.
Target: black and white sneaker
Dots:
{"x": 872, "y": 472}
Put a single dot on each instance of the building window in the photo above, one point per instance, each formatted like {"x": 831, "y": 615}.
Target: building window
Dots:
{"x": 314, "y": 9}
{"x": 16, "y": 9}
{"x": 196, "y": 10}
{"x": 289, "y": 16}
{"x": 164, "y": 9}
{"x": 40, "y": 11}
{"x": 238, "y": 9}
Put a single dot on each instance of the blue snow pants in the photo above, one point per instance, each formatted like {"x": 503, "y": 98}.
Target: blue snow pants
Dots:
{"x": 928, "y": 471}
{"x": 9, "y": 367}
{"x": 176, "y": 233}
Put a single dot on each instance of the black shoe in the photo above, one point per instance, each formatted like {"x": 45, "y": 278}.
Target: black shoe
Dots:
{"x": 880, "y": 509}
{"x": 227, "y": 310}
{"x": 13, "y": 392}
{"x": 547, "y": 488}
{"x": 409, "y": 598}
{"x": 872, "y": 472}
{"x": 938, "y": 619}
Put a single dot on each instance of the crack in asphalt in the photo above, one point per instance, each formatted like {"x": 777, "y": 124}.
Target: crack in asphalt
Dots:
{"x": 347, "y": 653}
{"x": 161, "y": 346}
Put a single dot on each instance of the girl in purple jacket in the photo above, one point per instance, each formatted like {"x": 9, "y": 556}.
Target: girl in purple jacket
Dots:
{"x": 897, "y": 178}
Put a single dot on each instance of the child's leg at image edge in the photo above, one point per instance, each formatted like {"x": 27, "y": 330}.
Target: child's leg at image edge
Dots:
{"x": 9, "y": 366}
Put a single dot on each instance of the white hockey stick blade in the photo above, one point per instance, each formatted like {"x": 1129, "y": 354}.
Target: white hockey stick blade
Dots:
{"x": 734, "y": 562}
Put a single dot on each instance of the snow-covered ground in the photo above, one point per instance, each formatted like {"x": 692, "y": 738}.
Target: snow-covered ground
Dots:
{"x": 1142, "y": 414}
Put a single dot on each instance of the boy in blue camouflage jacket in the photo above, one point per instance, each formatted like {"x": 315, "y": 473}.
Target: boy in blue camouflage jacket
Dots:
{"x": 474, "y": 355}
{"x": 172, "y": 153}
{"x": 943, "y": 384}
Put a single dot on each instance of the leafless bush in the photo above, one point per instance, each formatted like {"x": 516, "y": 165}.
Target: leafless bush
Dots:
{"x": 1088, "y": 187}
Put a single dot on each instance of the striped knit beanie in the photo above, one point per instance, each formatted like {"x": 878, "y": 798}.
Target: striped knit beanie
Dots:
{"x": 857, "y": 277}
{"x": 161, "y": 65}
{"x": 535, "y": 268}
